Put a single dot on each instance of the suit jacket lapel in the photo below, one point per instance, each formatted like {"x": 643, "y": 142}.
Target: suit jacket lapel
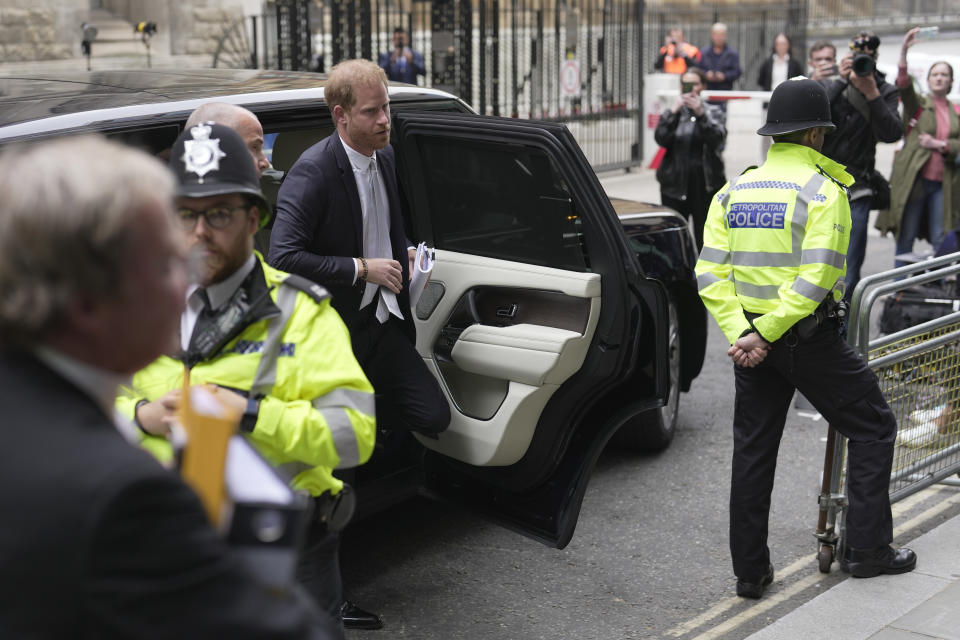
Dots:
{"x": 350, "y": 186}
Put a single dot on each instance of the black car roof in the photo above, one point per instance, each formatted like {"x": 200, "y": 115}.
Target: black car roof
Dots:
{"x": 81, "y": 98}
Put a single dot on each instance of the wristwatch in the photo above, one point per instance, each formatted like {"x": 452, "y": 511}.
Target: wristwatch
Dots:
{"x": 250, "y": 414}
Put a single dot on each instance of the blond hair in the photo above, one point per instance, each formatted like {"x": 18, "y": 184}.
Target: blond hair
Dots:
{"x": 346, "y": 76}
{"x": 66, "y": 218}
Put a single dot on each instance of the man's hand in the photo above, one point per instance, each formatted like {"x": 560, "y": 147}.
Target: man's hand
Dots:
{"x": 229, "y": 397}
{"x": 411, "y": 259}
{"x": 385, "y": 272}
{"x": 155, "y": 417}
{"x": 867, "y": 85}
{"x": 749, "y": 351}
{"x": 693, "y": 102}
{"x": 822, "y": 71}
{"x": 715, "y": 76}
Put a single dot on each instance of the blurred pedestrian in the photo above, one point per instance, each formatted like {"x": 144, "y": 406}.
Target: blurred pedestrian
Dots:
{"x": 863, "y": 106}
{"x": 770, "y": 273}
{"x": 925, "y": 184}
{"x": 99, "y": 540}
{"x": 822, "y": 62}
{"x": 402, "y": 64}
{"x": 778, "y": 67}
{"x": 693, "y": 134}
{"x": 720, "y": 62}
{"x": 676, "y": 55}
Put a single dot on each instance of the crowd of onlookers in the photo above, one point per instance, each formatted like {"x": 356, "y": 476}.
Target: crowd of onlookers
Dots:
{"x": 921, "y": 198}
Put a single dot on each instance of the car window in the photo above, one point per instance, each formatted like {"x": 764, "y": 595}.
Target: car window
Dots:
{"x": 501, "y": 201}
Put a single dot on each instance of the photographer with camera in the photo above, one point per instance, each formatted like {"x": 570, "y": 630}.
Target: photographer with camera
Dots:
{"x": 402, "y": 64}
{"x": 693, "y": 133}
{"x": 676, "y": 56}
{"x": 863, "y": 107}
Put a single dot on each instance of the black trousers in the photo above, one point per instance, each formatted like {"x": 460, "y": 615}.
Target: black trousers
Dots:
{"x": 318, "y": 570}
{"x": 843, "y": 389}
{"x": 408, "y": 397}
{"x": 696, "y": 204}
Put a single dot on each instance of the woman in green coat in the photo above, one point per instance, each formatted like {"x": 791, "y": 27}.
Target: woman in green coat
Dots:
{"x": 925, "y": 184}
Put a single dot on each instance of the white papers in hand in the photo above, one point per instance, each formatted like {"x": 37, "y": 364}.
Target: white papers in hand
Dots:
{"x": 422, "y": 266}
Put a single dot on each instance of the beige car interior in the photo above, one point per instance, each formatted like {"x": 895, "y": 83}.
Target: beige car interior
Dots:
{"x": 501, "y": 377}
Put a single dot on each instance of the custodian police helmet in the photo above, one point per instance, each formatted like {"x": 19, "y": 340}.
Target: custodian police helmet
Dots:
{"x": 797, "y": 104}
{"x": 211, "y": 160}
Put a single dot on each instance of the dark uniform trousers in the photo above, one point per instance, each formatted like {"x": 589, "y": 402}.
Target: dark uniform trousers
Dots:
{"x": 842, "y": 388}
{"x": 318, "y": 570}
{"x": 408, "y": 397}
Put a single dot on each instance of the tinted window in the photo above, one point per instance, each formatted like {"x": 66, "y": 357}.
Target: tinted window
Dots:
{"x": 501, "y": 201}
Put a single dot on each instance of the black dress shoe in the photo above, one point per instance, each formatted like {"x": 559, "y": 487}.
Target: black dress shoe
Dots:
{"x": 755, "y": 589}
{"x": 356, "y": 618}
{"x": 867, "y": 563}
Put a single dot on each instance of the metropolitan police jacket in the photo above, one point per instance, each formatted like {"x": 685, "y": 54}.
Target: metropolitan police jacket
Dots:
{"x": 316, "y": 405}
{"x": 775, "y": 242}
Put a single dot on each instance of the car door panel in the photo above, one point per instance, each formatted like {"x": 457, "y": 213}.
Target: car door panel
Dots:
{"x": 499, "y": 376}
{"x": 526, "y": 343}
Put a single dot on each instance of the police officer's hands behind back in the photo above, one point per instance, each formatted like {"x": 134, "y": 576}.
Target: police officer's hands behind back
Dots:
{"x": 749, "y": 351}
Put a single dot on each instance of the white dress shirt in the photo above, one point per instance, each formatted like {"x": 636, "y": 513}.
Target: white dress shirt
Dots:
{"x": 218, "y": 294}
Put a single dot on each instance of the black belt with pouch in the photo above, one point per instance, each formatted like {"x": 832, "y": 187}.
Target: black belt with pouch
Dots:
{"x": 335, "y": 510}
{"x": 828, "y": 310}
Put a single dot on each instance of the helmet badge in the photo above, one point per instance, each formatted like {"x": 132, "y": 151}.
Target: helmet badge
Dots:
{"x": 202, "y": 155}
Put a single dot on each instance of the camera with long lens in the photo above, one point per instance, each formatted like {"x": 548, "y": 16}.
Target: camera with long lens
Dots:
{"x": 864, "y": 63}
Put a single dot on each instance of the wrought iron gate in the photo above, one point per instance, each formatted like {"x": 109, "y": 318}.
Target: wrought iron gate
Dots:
{"x": 575, "y": 61}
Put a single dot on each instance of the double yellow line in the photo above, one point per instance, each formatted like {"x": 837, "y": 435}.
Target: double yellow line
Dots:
{"x": 782, "y": 595}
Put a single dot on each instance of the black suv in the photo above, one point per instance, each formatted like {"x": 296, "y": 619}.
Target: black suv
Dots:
{"x": 554, "y": 318}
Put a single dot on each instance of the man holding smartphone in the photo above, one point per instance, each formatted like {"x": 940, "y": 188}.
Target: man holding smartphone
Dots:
{"x": 823, "y": 61}
{"x": 402, "y": 64}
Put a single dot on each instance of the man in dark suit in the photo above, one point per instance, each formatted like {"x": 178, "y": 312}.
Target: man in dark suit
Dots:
{"x": 98, "y": 540}
{"x": 339, "y": 224}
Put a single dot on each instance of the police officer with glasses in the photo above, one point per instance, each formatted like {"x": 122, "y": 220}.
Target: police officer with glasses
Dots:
{"x": 771, "y": 274}
{"x": 265, "y": 342}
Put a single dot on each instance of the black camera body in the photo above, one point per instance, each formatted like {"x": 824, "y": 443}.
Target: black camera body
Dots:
{"x": 864, "y": 63}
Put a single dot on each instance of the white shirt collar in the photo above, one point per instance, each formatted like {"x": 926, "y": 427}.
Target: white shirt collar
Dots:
{"x": 98, "y": 384}
{"x": 220, "y": 292}
{"x": 359, "y": 162}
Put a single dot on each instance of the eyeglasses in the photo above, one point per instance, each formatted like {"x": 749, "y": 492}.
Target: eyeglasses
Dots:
{"x": 216, "y": 217}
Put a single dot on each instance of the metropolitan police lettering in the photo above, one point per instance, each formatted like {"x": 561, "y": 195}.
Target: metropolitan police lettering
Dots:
{"x": 756, "y": 215}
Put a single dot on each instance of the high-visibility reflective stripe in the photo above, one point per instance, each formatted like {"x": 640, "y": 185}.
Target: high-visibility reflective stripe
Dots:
{"x": 763, "y": 259}
{"x": 764, "y": 292}
{"x": 292, "y": 469}
{"x": 360, "y": 401}
{"x": 266, "y": 375}
{"x": 776, "y": 184}
{"x": 714, "y": 255}
{"x": 344, "y": 437}
{"x": 725, "y": 197}
{"x": 704, "y": 280}
{"x": 800, "y": 213}
{"x": 809, "y": 290}
{"x": 823, "y": 256}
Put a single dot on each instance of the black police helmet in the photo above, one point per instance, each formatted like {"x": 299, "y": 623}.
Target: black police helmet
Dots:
{"x": 211, "y": 160}
{"x": 797, "y": 104}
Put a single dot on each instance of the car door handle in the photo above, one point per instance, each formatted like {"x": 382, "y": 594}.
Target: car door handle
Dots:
{"x": 507, "y": 311}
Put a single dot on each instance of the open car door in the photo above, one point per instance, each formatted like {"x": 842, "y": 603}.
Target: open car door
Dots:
{"x": 536, "y": 317}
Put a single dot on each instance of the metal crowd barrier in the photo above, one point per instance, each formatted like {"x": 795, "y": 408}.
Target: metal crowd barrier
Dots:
{"x": 918, "y": 369}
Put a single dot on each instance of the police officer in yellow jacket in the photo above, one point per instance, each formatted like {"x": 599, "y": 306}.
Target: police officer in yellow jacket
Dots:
{"x": 771, "y": 274}
{"x": 267, "y": 342}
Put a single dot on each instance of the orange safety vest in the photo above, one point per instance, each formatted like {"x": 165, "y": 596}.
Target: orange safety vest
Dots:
{"x": 678, "y": 64}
